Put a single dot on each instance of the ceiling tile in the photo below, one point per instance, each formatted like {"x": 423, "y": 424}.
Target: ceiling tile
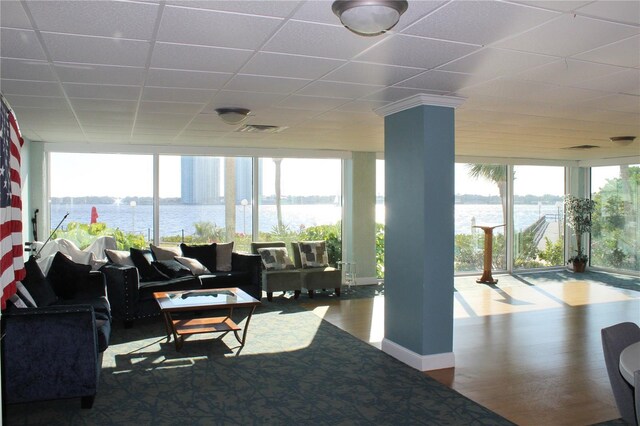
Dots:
{"x": 99, "y": 74}
{"x": 252, "y": 101}
{"x": 161, "y": 120}
{"x": 22, "y": 44}
{"x": 568, "y": 71}
{"x": 316, "y": 11}
{"x": 99, "y": 18}
{"x": 12, "y": 15}
{"x": 186, "y": 79}
{"x": 620, "y": 11}
{"x": 617, "y": 102}
{"x": 392, "y": 94}
{"x": 338, "y": 90}
{"x": 171, "y": 107}
{"x": 96, "y": 91}
{"x": 21, "y": 69}
{"x": 625, "y": 53}
{"x": 37, "y": 101}
{"x": 443, "y": 81}
{"x": 96, "y": 50}
{"x": 496, "y": 62}
{"x": 415, "y": 52}
{"x": 568, "y": 35}
{"x": 294, "y": 66}
{"x": 627, "y": 81}
{"x": 326, "y": 41}
{"x": 367, "y": 73}
{"x": 280, "y": 8}
{"x": 361, "y": 106}
{"x": 198, "y": 58}
{"x": 558, "y": 5}
{"x": 254, "y": 83}
{"x": 35, "y": 88}
{"x": 311, "y": 103}
{"x": 176, "y": 95}
{"x": 105, "y": 118}
{"x": 231, "y": 30}
{"x": 479, "y": 22}
{"x": 417, "y": 11}
{"x": 104, "y": 105}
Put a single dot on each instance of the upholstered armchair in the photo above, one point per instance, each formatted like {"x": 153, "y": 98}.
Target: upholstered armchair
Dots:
{"x": 287, "y": 279}
{"x": 316, "y": 274}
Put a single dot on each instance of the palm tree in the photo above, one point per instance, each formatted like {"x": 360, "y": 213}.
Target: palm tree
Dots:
{"x": 497, "y": 174}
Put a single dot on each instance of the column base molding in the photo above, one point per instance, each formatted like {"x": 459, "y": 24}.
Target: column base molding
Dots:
{"x": 417, "y": 361}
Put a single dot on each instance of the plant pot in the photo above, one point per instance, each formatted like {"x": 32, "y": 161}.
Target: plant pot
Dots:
{"x": 579, "y": 266}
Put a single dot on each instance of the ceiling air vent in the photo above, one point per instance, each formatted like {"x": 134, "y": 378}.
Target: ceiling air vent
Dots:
{"x": 583, "y": 147}
{"x": 260, "y": 128}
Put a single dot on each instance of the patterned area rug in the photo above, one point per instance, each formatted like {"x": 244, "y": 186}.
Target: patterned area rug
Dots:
{"x": 294, "y": 369}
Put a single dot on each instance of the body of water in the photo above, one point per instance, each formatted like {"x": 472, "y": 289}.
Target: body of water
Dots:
{"x": 176, "y": 218}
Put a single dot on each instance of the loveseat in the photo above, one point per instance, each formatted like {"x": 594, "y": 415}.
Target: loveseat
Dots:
{"x": 131, "y": 286}
{"x": 55, "y": 331}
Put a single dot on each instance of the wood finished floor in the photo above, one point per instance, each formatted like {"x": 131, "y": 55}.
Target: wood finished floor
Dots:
{"x": 531, "y": 353}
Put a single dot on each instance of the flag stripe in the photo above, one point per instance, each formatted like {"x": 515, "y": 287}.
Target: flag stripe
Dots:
{"x": 11, "y": 250}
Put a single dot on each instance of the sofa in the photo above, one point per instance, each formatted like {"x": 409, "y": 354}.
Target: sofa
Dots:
{"x": 131, "y": 285}
{"x": 55, "y": 331}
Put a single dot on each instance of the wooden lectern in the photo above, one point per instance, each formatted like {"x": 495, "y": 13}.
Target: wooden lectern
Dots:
{"x": 486, "y": 277}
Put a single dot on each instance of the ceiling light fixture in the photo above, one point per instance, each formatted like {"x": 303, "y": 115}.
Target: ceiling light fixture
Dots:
{"x": 233, "y": 116}
{"x": 369, "y": 17}
{"x": 622, "y": 140}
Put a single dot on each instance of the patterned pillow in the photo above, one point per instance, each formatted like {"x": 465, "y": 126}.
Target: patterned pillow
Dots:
{"x": 313, "y": 254}
{"x": 275, "y": 258}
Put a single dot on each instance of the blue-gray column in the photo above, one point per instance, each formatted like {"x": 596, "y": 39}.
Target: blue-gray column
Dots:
{"x": 419, "y": 230}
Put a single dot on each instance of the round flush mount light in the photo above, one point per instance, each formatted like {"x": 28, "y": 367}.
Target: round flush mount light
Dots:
{"x": 233, "y": 116}
{"x": 369, "y": 17}
{"x": 622, "y": 140}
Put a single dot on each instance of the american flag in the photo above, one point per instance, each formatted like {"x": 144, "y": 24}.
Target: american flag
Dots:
{"x": 11, "y": 263}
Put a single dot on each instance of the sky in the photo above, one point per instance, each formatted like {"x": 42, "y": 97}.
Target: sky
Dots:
{"x": 77, "y": 175}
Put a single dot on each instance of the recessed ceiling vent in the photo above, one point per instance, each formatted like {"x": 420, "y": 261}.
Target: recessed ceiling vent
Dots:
{"x": 583, "y": 147}
{"x": 260, "y": 128}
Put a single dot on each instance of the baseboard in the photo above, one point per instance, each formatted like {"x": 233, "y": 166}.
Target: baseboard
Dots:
{"x": 419, "y": 362}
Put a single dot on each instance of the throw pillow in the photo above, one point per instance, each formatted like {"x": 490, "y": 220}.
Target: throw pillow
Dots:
{"x": 119, "y": 257}
{"x": 194, "y": 265}
{"x": 165, "y": 253}
{"x": 205, "y": 254}
{"x": 38, "y": 285}
{"x": 172, "y": 268}
{"x": 224, "y": 253}
{"x": 313, "y": 254}
{"x": 142, "y": 260}
{"x": 275, "y": 258}
{"x": 66, "y": 276}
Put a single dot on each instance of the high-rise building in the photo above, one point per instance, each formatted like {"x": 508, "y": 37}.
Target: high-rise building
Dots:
{"x": 244, "y": 179}
{"x": 200, "y": 180}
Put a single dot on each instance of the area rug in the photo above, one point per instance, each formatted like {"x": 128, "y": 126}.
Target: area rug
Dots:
{"x": 294, "y": 369}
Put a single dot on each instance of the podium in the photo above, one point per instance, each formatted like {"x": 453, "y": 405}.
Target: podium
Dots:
{"x": 486, "y": 277}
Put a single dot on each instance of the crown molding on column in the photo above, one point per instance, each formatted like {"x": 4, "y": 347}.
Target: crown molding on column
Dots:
{"x": 418, "y": 100}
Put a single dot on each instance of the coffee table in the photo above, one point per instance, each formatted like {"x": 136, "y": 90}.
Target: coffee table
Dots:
{"x": 204, "y": 300}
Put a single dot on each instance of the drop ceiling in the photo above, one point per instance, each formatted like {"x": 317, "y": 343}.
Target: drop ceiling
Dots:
{"x": 538, "y": 76}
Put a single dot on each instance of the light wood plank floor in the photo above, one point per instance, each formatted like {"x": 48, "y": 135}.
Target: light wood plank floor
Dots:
{"x": 531, "y": 353}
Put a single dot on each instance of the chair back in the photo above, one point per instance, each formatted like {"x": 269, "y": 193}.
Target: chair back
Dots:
{"x": 265, "y": 244}
{"x": 614, "y": 339}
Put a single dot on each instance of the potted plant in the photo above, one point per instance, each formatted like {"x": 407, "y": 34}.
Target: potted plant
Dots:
{"x": 579, "y": 219}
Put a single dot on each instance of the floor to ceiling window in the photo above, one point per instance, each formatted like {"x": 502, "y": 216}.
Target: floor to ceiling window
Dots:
{"x": 538, "y": 221}
{"x": 205, "y": 199}
{"x": 301, "y": 199}
{"x": 104, "y": 194}
{"x": 615, "y": 233}
{"x": 481, "y": 191}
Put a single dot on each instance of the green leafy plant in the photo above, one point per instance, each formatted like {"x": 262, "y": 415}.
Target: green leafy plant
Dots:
{"x": 578, "y": 217}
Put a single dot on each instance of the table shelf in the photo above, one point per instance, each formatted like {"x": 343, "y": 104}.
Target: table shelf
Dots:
{"x": 204, "y": 325}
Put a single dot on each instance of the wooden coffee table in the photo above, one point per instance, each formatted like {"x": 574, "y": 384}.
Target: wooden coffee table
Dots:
{"x": 204, "y": 300}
